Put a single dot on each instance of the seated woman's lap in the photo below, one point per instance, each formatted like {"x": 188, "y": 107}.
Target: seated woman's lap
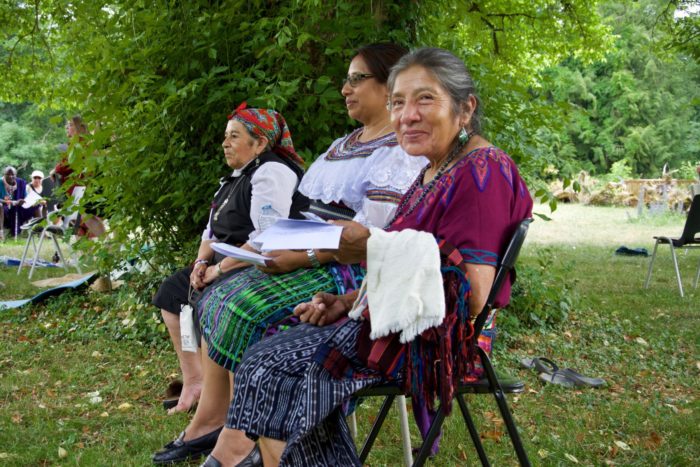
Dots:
{"x": 236, "y": 313}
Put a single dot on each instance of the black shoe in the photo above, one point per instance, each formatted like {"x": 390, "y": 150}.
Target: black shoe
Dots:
{"x": 253, "y": 459}
{"x": 181, "y": 450}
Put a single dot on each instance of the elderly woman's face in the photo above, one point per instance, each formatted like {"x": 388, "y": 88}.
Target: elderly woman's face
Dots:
{"x": 422, "y": 114}
{"x": 239, "y": 147}
{"x": 366, "y": 101}
{"x": 10, "y": 177}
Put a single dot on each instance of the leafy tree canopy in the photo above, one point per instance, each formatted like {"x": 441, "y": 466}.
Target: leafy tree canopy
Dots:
{"x": 154, "y": 80}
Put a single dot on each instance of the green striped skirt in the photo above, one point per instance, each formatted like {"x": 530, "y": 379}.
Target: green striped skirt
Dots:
{"x": 235, "y": 313}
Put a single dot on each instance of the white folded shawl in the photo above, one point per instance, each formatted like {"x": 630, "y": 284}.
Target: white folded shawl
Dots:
{"x": 403, "y": 284}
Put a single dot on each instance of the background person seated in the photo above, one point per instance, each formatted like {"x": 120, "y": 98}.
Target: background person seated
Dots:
{"x": 13, "y": 190}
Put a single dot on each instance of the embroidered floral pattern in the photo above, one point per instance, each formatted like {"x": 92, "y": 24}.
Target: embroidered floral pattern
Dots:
{"x": 350, "y": 147}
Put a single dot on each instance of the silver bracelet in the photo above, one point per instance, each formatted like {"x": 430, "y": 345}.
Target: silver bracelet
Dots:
{"x": 315, "y": 263}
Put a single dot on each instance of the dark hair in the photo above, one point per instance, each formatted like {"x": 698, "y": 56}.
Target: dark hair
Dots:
{"x": 380, "y": 57}
{"x": 78, "y": 124}
{"x": 450, "y": 71}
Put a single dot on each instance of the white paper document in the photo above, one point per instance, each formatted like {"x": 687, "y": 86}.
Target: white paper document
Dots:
{"x": 31, "y": 199}
{"x": 239, "y": 253}
{"x": 299, "y": 234}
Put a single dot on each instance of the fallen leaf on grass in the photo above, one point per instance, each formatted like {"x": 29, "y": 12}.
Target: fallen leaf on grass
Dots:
{"x": 672, "y": 407}
{"x": 543, "y": 453}
{"x": 4, "y": 455}
{"x": 16, "y": 417}
{"x": 641, "y": 341}
{"x": 125, "y": 406}
{"x": 22, "y": 339}
{"x": 96, "y": 354}
{"x": 62, "y": 453}
{"x": 622, "y": 445}
{"x": 494, "y": 435}
{"x": 104, "y": 414}
{"x": 571, "y": 458}
{"x": 653, "y": 441}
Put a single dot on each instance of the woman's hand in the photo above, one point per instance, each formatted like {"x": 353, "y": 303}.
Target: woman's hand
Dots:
{"x": 197, "y": 275}
{"x": 323, "y": 309}
{"x": 353, "y": 243}
{"x": 210, "y": 274}
{"x": 284, "y": 261}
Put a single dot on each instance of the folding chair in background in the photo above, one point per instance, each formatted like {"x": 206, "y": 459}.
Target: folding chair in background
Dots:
{"x": 689, "y": 239}
{"x": 488, "y": 384}
{"x": 54, "y": 231}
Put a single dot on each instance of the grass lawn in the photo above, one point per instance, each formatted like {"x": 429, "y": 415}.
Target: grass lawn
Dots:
{"x": 17, "y": 286}
{"x": 80, "y": 397}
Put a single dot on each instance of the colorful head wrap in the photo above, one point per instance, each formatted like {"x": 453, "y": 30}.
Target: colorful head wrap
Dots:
{"x": 270, "y": 124}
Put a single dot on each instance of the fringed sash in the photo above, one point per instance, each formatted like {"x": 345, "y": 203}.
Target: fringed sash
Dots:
{"x": 440, "y": 357}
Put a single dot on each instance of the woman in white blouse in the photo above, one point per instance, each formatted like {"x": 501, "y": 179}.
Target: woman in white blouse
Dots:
{"x": 361, "y": 177}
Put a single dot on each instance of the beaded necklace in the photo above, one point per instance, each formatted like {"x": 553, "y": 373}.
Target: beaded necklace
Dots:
{"x": 428, "y": 187}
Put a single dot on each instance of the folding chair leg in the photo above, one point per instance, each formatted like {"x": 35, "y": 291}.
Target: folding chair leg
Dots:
{"x": 36, "y": 253}
{"x": 353, "y": 425}
{"x": 60, "y": 253}
{"x": 433, "y": 432}
{"x": 473, "y": 432}
{"x": 405, "y": 432}
{"x": 503, "y": 407}
{"x": 651, "y": 264}
{"x": 697, "y": 276}
{"x": 678, "y": 272}
{"x": 26, "y": 250}
{"x": 386, "y": 405}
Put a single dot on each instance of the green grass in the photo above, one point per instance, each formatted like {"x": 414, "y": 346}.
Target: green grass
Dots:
{"x": 643, "y": 342}
{"x": 18, "y": 286}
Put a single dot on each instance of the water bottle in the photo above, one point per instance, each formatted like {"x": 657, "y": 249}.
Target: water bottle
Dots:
{"x": 268, "y": 216}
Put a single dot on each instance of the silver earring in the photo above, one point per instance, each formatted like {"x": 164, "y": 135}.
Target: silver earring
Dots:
{"x": 463, "y": 136}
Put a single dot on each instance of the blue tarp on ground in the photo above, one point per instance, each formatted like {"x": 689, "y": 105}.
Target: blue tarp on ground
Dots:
{"x": 7, "y": 261}
{"x": 43, "y": 295}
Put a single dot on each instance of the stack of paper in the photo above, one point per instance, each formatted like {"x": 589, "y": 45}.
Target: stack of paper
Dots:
{"x": 299, "y": 234}
{"x": 239, "y": 253}
{"x": 286, "y": 234}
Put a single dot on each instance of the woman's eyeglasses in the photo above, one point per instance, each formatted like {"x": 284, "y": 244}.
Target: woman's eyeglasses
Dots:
{"x": 356, "y": 78}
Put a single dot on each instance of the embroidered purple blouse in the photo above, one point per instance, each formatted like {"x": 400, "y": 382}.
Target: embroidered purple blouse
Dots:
{"x": 475, "y": 206}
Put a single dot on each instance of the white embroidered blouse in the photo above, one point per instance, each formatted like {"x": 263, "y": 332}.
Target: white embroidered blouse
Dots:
{"x": 369, "y": 178}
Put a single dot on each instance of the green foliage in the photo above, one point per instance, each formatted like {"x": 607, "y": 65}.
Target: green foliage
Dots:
{"x": 27, "y": 139}
{"x": 508, "y": 45}
{"x": 639, "y": 104}
{"x": 155, "y": 80}
{"x": 542, "y": 296}
{"x": 125, "y": 314}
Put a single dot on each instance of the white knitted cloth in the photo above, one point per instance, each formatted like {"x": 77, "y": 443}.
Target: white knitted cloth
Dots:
{"x": 403, "y": 284}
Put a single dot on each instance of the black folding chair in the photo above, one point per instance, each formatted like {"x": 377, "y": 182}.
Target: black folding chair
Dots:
{"x": 688, "y": 239}
{"x": 488, "y": 384}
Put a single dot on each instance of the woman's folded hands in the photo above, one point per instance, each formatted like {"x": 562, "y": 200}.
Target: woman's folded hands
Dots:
{"x": 325, "y": 308}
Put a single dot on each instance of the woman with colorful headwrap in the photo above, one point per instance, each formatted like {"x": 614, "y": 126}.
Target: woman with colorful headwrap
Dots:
{"x": 361, "y": 176}
{"x": 266, "y": 171}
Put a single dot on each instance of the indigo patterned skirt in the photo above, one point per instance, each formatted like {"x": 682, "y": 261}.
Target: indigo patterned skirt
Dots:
{"x": 235, "y": 313}
{"x": 283, "y": 393}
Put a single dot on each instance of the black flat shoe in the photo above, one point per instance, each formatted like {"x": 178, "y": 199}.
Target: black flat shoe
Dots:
{"x": 253, "y": 459}
{"x": 181, "y": 450}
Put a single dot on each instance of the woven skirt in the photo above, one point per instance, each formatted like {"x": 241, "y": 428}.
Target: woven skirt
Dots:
{"x": 283, "y": 393}
{"x": 235, "y": 313}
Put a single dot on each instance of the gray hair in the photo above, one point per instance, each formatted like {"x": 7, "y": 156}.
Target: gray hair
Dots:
{"x": 8, "y": 168}
{"x": 450, "y": 72}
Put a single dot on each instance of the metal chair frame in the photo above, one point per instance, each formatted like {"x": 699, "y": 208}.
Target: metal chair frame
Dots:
{"x": 489, "y": 384}
{"x": 52, "y": 231}
{"x": 688, "y": 240}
